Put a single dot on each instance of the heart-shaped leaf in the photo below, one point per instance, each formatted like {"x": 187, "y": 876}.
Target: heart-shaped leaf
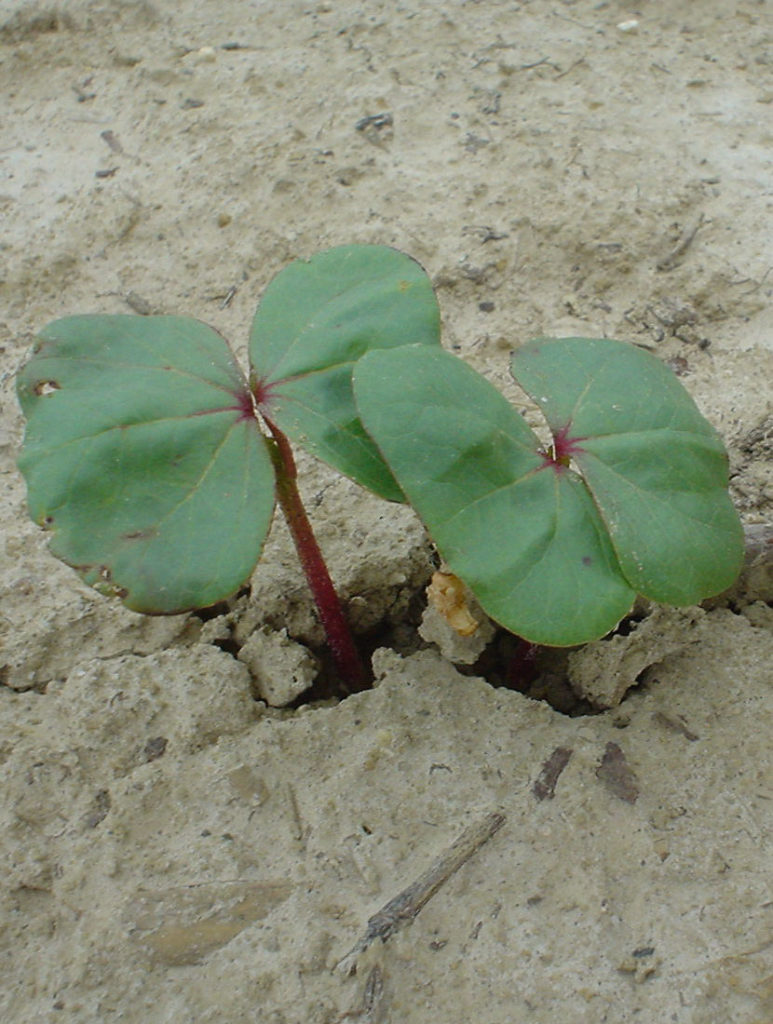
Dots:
{"x": 315, "y": 320}
{"x": 555, "y": 545}
{"x": 522, "y": 533}
{"x": 143, "y": 457}
{"x": 656, "y": 468}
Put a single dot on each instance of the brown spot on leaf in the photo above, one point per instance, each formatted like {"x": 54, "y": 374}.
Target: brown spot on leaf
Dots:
{"x": 104, "y": 581}
{"x": 145, "y": 534}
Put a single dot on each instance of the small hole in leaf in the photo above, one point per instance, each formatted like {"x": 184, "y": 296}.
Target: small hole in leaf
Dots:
{"x": 46, "y": 387}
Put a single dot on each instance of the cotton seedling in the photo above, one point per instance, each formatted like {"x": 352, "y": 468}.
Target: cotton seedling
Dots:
{"x": 156, "y": 463}
{"x": 556, "y": 542}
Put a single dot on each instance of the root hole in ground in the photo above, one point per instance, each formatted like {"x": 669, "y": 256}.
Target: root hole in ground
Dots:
{"x": 509, "y": 662}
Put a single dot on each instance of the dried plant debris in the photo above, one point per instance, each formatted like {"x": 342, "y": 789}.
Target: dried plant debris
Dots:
{"x": 617, "y": 775}
{"x": 183, "y": 924}
{"x": 404, "y": 907}
{"x": 544, "y": 787}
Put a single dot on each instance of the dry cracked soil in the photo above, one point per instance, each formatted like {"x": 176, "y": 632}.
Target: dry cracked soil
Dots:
{"x": 174, "y": 848}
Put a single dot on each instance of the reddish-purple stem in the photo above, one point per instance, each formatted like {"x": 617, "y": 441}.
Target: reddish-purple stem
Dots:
{"x": 521, "y": 670}
{"x": 328, "y": 604}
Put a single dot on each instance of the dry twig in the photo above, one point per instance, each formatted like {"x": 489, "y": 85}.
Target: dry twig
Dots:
{"x": 406, "y": 905}
{"x": 685, "y": 241}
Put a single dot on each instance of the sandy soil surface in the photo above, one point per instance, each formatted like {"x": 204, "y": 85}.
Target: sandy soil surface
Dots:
{"x": 173, "y": 849}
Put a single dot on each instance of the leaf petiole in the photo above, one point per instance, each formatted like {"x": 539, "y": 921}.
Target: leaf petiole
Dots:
{"x": 326, "y": 598}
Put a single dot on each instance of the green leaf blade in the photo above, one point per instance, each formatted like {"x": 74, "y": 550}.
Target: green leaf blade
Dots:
{"x": 315, "y": 320}
{"x": 656, "y": 467}
{"x": 143, "y": 458}
{"x": 677, "y": 535}
{"x": 602, "y": 386}
{"x": 524, "y": 535}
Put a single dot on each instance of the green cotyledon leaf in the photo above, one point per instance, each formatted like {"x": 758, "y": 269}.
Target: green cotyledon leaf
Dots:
{"x": 521, "y": 530}
{"x": 656, "y": 468}
{"x": 315, "y": 320}
{"x": 143, "y": 458}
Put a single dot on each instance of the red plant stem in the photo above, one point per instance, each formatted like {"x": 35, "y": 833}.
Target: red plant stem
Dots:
{"x": 339, "y": 636}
